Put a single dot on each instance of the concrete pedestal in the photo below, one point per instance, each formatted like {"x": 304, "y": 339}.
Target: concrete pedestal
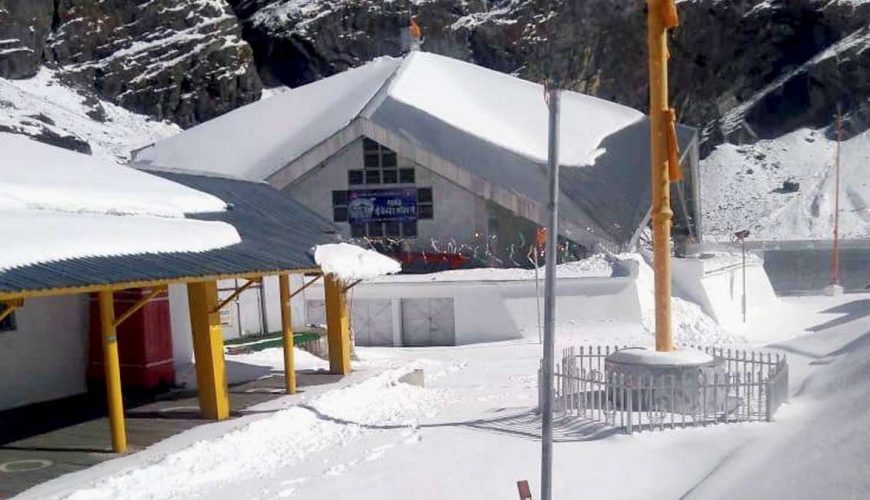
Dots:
{"x": 665, "y": 381}
{"x": 833, "y": 290}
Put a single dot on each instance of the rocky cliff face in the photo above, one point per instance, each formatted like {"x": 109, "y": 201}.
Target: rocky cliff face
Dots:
{"x": 182, "y": 60}
{"x": 742, "y": 70}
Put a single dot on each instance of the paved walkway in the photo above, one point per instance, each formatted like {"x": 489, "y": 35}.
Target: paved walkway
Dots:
{"x": 47, "y": 440}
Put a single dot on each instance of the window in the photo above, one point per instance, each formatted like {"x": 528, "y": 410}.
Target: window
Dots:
{"x": 8, "y": 323}
{"x": 406, "y": 176}
{"x": 339, "y": 206}
{"x": 358, "y": 230}
{"x": 380, "y": 166}
{"x": 425, "y": 204}
{"x": 355, "y": 177}
{"x": 384, "y": 230}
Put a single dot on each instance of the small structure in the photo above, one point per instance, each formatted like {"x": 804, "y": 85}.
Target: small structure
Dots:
{"x": 78, "y": 226}
{"x": 715, "y": 385}
{"x": 442, "y": 156}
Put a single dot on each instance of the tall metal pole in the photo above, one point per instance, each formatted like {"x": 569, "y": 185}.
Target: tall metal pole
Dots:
{"x": 835, "y": 265}
{"x": 550, "y": 300}
{"x": 661, "y": 189}
{"x": 743, "y": 246}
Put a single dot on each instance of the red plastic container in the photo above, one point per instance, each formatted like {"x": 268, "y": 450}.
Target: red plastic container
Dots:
{"x": 144, "y": 342}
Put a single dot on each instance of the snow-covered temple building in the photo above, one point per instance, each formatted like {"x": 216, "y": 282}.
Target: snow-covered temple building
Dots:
{"x": 437, "y": 153}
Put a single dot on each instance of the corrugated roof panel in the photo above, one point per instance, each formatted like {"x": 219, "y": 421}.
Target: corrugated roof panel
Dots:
{"x": 277, "y": 235}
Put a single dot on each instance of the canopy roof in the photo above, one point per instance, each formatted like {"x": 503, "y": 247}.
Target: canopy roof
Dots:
{"x": 272, "y": 234}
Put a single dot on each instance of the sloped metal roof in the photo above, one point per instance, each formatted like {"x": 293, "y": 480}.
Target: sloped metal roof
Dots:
{"x": 277, "y": 233}
{"x": 609, "y": 198}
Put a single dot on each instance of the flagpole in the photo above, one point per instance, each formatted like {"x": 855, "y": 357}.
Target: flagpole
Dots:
{"x": 550, "y": 299}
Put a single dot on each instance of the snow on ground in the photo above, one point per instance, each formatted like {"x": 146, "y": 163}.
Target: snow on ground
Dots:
{"x": 742, "y": 188}
{"x": 61, "y": 205}
{"x": 44, "y": 103}
{"x": 470, "y": 433}
{"x": 350, "y": 263}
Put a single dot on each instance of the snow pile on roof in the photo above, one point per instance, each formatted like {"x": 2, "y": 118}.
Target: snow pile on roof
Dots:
{"x": 42, "y": 105}
{"x": 256, "y": 140}
{"x": 56, "y": 204}
{"x": 40, "y": 177}
{"x": 350, "y": 262}
{"x": 744, "y": 188}
{"x": 506, "y": 110}
{"x": 259, "y": 139}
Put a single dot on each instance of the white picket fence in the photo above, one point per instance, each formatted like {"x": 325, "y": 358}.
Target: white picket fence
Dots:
{"x": 752, "y": 387}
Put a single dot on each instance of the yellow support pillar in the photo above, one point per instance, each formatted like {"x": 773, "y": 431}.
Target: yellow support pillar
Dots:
{"x": 113, "y": 371}
{"x": 208, "y": 349}
{"x": 337, "y": 326}
{"x": 659, "y": 15}
{"x": 287, "y": 333}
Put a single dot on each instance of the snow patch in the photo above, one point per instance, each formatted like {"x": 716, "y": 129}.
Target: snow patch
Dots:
{"x": 515, "y": 116}
{"x": 350, "y": 262}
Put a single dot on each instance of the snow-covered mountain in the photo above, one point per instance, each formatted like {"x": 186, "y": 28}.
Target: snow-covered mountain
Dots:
{"x": 44, "y": 108}
{"x": 784, "y": 188}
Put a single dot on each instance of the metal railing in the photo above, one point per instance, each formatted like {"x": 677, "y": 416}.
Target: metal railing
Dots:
{"x": 749, "y": 386}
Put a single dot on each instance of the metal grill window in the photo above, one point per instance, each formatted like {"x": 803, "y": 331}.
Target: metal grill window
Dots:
{"x": 380, "y": 166}
{"x": 339, "y": 206}
{"x": 425, "y": 204}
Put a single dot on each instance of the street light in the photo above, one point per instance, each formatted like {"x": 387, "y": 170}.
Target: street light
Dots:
{"x": 741, "y": 236}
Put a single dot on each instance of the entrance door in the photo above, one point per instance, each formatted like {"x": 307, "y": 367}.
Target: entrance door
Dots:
{"x": 428, "y": 322}
{"x": 372, "y": 322}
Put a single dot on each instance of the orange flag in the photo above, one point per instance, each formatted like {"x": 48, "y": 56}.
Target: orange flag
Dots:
{"x": 414, "y": 28}
{"x": 541, "y": 239}
{"x": 669, "y": 14}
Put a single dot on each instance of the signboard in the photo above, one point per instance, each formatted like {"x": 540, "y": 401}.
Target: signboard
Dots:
{"x": 382, "y": 205}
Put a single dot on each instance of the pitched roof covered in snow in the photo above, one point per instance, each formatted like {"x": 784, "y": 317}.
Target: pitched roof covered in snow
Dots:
{"x": 70, "y": 220}
{"x": 488, "y": 123}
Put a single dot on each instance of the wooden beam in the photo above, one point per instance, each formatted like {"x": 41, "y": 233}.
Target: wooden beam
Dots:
{"x": 355, "y": 283}
{"x": 287, "y": 334}
{"x": 208, "y": 348}
{"x": 236, "y": 293}
{"x": 138, "y": 305}
{"x": 337, "y": 326}
{"x": 306, "y": 285}
{"x": 124, "y": 285}
{"x": 113, "y": 372}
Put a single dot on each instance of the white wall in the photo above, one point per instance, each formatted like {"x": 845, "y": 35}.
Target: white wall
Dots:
{"x": 489, "y": 311}
{"x": 46, "y": 357}
{"x": 716, "y": 284}
{"x": 459, "y": 214}
{"x": 179, "y": 318}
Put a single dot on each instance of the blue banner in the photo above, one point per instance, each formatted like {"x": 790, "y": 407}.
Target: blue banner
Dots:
{"x": 382, "y": 205}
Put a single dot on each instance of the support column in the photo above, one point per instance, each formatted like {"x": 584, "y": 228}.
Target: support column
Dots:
{"x": 337, "y": 326}
{"x": 208, "y": 349}
{"x": 661, "y": 182}
{"x": 287, "y": 334}
{"x": 113, "y": 371}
